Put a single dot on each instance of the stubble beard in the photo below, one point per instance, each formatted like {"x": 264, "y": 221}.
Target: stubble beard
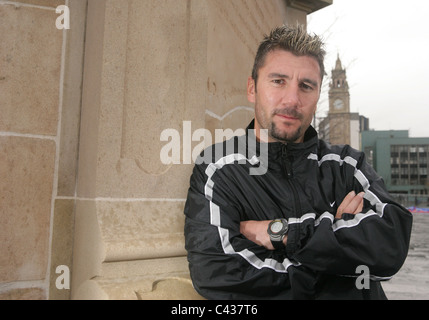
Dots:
{"x": 276, "y": 133}
{"x": 283, "y": 136}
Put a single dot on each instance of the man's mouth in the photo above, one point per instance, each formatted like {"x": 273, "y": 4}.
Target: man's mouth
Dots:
{"x": 288, "y": 114}
{"x": 287, "y": 117}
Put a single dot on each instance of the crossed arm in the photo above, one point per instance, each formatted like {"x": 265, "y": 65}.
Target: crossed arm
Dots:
{"x": 256, "y": 231}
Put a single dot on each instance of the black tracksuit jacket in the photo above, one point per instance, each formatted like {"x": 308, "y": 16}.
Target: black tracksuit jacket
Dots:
{"x": 304, "y": 183}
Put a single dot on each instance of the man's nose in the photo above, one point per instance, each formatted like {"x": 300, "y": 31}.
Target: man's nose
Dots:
{"x": 291, "y": 96}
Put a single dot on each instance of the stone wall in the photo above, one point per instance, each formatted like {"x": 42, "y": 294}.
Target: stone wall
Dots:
{"x": 40, "y": 94}
{"x": 82, "y": 113}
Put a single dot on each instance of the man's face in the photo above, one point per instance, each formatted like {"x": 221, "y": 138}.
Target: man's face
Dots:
{"x": 286, "y": 95}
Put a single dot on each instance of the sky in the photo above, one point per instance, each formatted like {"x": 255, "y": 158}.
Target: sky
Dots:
{"x": 384, "y": 46}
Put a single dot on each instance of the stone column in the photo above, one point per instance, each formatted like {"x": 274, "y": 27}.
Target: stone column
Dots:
{"x": 142, "y": 75}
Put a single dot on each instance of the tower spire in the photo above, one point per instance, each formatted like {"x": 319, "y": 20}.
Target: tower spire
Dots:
{"x": 338, "y": 65}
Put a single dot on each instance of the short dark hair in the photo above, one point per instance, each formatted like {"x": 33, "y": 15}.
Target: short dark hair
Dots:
{"x": 293, "y": 39}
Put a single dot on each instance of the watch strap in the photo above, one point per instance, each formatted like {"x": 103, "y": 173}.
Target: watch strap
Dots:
{"x": 278, "y": 244}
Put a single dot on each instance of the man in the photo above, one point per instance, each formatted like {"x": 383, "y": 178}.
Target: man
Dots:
{"x": 304, "y": 228}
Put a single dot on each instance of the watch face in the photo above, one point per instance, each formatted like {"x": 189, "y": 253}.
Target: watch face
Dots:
{"x": 276, "y": 227}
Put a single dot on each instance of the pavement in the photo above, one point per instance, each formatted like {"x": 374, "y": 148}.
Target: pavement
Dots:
{"x": 412, "y": 281}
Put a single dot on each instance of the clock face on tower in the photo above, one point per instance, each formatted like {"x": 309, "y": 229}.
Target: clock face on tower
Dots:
{"x": 338, "y": 104}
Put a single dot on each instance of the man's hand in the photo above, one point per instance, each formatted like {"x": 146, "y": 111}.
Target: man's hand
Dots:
{"x": 352, "y": 203}
{"x": 256, "y": 231}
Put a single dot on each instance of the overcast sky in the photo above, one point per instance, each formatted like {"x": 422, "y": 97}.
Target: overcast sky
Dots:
{"x": 384, "y": 44}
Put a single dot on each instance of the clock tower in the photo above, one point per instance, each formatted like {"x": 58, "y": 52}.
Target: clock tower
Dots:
{"x": 339, "y": 97}
{"x": 340, "y": 126}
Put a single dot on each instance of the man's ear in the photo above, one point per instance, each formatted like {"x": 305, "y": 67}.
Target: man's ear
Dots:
{"x": 251, "y": 90}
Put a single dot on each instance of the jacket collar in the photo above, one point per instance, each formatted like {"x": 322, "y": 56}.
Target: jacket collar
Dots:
{"x": 295, "y": 150}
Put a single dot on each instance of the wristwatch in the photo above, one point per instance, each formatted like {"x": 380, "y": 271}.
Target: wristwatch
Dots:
{"x": 277, "y": 230}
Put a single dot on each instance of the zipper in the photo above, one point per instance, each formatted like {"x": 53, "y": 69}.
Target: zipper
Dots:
{"x": 287, "y": 167}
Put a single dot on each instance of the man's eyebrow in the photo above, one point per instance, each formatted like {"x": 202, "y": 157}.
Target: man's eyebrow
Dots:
{"x": 312, "y": 82}
{"x": 277, "y": 75}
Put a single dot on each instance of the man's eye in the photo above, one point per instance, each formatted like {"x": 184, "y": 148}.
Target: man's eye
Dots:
{"x": 278, "y": 81}
{"x": 306, "y": 87}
